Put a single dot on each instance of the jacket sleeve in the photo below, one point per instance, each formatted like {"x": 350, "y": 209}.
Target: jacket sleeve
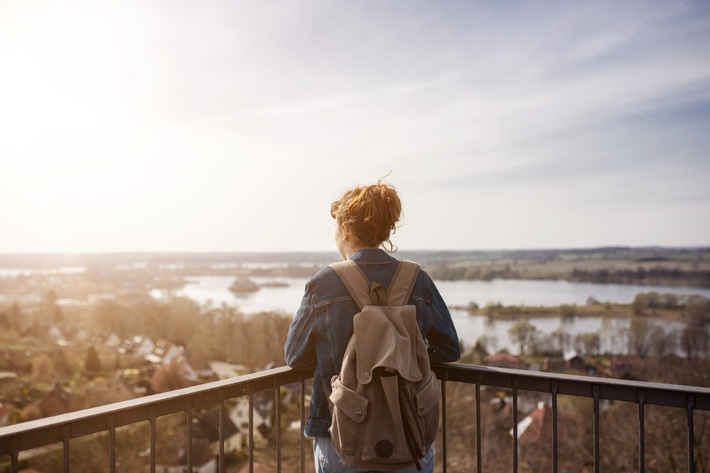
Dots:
{"x": 442, "y": 337}
{"x": 300, "y": 350}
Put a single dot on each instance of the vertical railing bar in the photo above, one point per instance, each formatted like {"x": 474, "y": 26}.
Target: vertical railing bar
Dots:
{"x": 444, "y": 457}
{"x": 691, "y": 434}
{"x": 641, "y": 395}
{"x": 188, "y": 412}
{"x": 554, "y": 388}
{"x": 65, "y": 446}
{"x": 303, "y": 425}
{"x": 596, "y": 391}
{"x": 151, "y": 420}
{"x": 111, "y": 424}
{"x": 251, "y": 429}
{"x": 221, "y": 434}
{"x": 14, "y": 455}
{"x": 515, "y": 425}
{"x": 479, "y": 454}
{"x": 277, "y": 400}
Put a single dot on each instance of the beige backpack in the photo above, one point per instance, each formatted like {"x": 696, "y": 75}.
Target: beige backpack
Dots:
{"x": 385, "y": 400}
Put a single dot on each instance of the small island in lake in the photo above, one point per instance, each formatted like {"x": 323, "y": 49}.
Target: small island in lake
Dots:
{"x": 243, "y": 285}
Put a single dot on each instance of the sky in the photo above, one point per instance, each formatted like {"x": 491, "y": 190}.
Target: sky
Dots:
{"x": 232, "y": 125}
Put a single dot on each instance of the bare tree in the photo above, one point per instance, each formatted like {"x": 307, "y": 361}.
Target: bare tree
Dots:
{"x": 522, "y": 333}
{"x": 641, "y": 336}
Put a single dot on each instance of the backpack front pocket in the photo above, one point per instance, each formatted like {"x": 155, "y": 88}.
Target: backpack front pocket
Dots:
{"x": 348, "y": 412}
{"x": 427, "y": 405}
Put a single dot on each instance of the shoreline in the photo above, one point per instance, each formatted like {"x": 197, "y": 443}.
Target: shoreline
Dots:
{"x": 572, "y": 311}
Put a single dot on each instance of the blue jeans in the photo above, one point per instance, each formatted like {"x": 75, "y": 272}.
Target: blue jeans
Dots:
{"x": 327, "y": 460}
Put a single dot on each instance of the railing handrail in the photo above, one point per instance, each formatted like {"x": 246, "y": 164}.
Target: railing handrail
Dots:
{"x": 670, "y": 395}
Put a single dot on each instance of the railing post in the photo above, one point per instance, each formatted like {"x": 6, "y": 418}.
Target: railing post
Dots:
{"x": 221, "y": 433}
{"x": 691, "y": 435}
{"x": 66, "y": 437}
{"x": 303, "y": 424}
{"x": 596, "y": 392}
{"x": 250, "y": 392}
{"x": 479, "y": 454}
{"x": 188, "y": 454}
{"x": 111, "y": 425}
{"x": 14, "y": 455}
{"x": 151, "y": 420}
{"x": 641, "y": 396}
{"x": 444, "y": 453}
{"x": 515, "y": 424}
{"x": 554, "y": 387}
{"x": 277, "y": 421}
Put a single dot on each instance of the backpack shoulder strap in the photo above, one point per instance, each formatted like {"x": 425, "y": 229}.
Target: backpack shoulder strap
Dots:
{"x": 355, "y": 281}
{"x": 365, "y": 293}
{"x": 402, "y": 283}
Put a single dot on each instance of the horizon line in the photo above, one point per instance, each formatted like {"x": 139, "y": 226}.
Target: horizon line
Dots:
{"x": 416, "y": 250}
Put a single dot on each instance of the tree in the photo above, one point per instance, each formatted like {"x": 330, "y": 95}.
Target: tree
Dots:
{"x": 567, "y": 310}
{"x": 641, "y": 336}
{"x": 612, "y": 335}
{"x": 639, "y": 304}
{"x": 698, "y": 310}
{"x": 522, "y": 333}
{"x": 562, "y": 338}
{"x": 43, "y": 368}
{"x": 588, "y": 342}
{"x": 694, "y": 340}
{"x": 92, "y": 364}
{"x": 665, "y": 343}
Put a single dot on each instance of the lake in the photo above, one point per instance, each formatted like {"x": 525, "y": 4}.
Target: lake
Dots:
{"x": 215, "y": 290}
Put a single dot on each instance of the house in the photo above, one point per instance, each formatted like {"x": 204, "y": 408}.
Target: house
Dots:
{"x": 206, "y": 446}
{"x": 81, "y": 337}
{"x": 207, "y": 427}
{"x": 535, "y": 438}
{"x": 173, "y": 375}
{"x": 185, "y": 370}
{"x": 263, "y": 404}
{"x": 578, "y": 363}
{"x": 203, "y": 461}
{"x": 55, "y": 402}
{"x": 554, "y": 363}
{"x": 506, "y": 360}
{"x": 57, "y": 335}
{"x": 107, "y": 392}
{"x": 225, "y": 370}
{"x": 537, "y": 426}
{"x": 141, "y": 346}
{"x": 625, "y": 367}
{"x": 166, "y": 351}
{"x": 112, "y": 341}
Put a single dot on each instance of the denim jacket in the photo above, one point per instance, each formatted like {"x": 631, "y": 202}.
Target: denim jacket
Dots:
{"x": 321, "y": 329}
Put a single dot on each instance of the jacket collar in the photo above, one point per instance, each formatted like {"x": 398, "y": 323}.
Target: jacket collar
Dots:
{"x": 372, "y": 255}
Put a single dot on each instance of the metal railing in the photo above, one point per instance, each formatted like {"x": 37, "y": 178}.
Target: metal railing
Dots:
{"x": 642, "y": 394}
{"x": 20, "y": 439}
